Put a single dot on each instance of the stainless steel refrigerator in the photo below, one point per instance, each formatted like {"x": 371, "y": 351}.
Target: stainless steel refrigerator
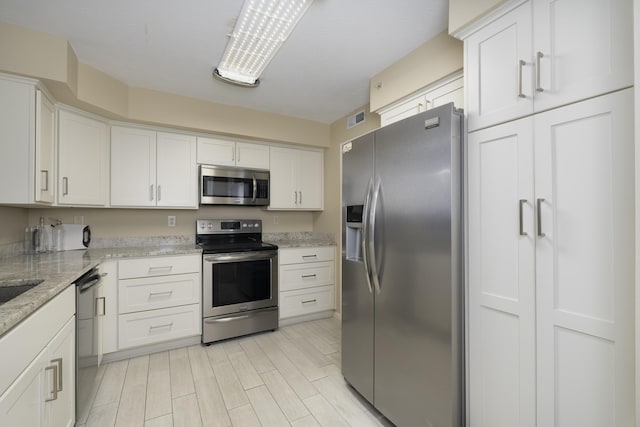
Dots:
{"x": 402, "y": 269}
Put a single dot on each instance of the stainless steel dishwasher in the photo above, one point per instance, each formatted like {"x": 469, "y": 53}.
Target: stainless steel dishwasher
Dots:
{"x": 90, "y": 309}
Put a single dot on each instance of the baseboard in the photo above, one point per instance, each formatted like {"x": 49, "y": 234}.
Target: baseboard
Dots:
{"x": 306, "y": 318}
{"x": 152, "y": 348}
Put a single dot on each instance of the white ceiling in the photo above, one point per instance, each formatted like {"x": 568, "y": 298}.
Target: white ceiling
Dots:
{"x": 321, "y": 73}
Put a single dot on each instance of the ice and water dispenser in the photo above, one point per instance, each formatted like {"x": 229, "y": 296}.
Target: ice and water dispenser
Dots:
{"x": 354, "y": 232}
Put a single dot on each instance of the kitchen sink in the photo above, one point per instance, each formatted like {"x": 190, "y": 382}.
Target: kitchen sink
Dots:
{"x": 10, "y": 289}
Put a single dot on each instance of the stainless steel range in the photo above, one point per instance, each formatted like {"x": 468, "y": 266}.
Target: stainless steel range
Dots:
{"x": 239, "y": 279}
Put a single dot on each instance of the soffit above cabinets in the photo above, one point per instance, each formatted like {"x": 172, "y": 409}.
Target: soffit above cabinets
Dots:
{"x": 321, "y": 73}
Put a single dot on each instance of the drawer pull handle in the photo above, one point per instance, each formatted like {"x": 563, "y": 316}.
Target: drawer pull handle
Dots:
{"x": 168, "y": 325}
{"x": 309, "y": 301}
{"x": 101, "y": 310}
{"x": 226, "y": 319}
{"x": 155, "y": 294}
{"x": 45, "y": 186}
{"x": 154, "y": 269}
{"x": 54, "y": 391}
{"x": 309, "y": 276}
{"x": 58, "y": 361}
{"x": 310, "y": 256}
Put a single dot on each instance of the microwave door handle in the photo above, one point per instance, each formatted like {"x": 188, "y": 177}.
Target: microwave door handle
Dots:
{"x": 255, "y": 188}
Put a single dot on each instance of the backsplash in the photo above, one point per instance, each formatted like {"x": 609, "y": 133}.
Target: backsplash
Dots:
{"x": 13, "y": 249}
{"x": 121, "y": 242}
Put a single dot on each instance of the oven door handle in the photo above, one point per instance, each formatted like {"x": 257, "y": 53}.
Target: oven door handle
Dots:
{"x": 241, "y": 256}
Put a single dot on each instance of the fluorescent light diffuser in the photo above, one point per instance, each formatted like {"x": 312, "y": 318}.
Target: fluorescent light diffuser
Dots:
{"x": 261, "y": 28}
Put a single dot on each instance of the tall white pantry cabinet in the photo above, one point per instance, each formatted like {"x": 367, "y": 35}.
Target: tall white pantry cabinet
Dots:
{"x": 551, "y": 215}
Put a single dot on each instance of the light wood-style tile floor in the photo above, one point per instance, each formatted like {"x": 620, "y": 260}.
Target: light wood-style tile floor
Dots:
{"x": 290, "y": 377}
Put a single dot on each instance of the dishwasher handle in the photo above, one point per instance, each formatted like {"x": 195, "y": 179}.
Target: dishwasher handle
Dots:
{"x": 88, "y": 280}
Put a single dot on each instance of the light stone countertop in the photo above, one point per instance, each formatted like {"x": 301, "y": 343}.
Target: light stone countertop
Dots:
{"x": 59, "y": 270}
{"x": 299, "y": 239}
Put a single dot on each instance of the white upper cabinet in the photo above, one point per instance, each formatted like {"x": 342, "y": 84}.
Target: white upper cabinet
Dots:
{"x": 83, "y": 174}
{"x": 296, "y": 179}
{"x": 497, "y": 75}
{"x": 448, "y": 90}
{"x": 221, "y": 152}
{"x": 582, "y": 48}
{"x": 176, "y": 170}
{"x": 133, "y": 167}
{"x": 544, "y": 54}
{"x": 45, "y": 149}
{"x": 27, "y": 142}
{"x": 150, "y": 168}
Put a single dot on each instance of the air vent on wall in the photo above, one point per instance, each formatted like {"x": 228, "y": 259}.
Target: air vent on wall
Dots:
{"x": 356, "y": 119}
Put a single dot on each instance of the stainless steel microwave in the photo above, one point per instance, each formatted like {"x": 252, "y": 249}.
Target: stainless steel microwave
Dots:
{"x": 233, "y": 186}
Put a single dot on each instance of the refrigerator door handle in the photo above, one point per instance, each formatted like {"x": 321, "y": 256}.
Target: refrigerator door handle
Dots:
{"x": 365, "y": 222}
{"x": 372, "y": 235}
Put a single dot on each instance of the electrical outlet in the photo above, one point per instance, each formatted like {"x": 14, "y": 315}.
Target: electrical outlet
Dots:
{"x": 276, "y": 219}
{"x": 171, "y": 221}
{"x": 78, "y": 219}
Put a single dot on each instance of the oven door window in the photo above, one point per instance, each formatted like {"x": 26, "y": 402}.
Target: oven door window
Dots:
{"x": 217, "y": 186}
{"x": 241, "y": 282}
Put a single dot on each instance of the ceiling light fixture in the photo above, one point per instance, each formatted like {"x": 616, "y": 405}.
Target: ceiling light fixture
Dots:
{"x": 261, "y": 28}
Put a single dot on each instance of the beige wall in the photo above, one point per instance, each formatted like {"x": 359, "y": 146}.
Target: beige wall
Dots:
{"x": 152, "y": 106}
{"x": 52, "y": 60}
{"x": 14, "y": 221}
{"x": 432, "y": 61}
{"x": 33, "y": 53}
{"x": 110, "y": 223}
{"x": 636, "y": 36}
{"x": 464, "y": 12}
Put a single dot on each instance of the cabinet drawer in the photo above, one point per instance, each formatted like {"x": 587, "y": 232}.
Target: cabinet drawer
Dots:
{"x": 306, "y": 301}
{"x": 313, "y": 254}
{"x": 154, "y": 326}
{"x": 158, "y": 292}
{"x": 306, "y": 275}
{"x": 158, "y": 266}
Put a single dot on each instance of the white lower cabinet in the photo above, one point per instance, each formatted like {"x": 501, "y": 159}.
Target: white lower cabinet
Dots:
{"x": 551, "y": 268}
{"x": 306, "y": 281}
{"x": 158, "y": 299}
{"x": 37, "y": 374}
{"x": 150, "y": 327}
